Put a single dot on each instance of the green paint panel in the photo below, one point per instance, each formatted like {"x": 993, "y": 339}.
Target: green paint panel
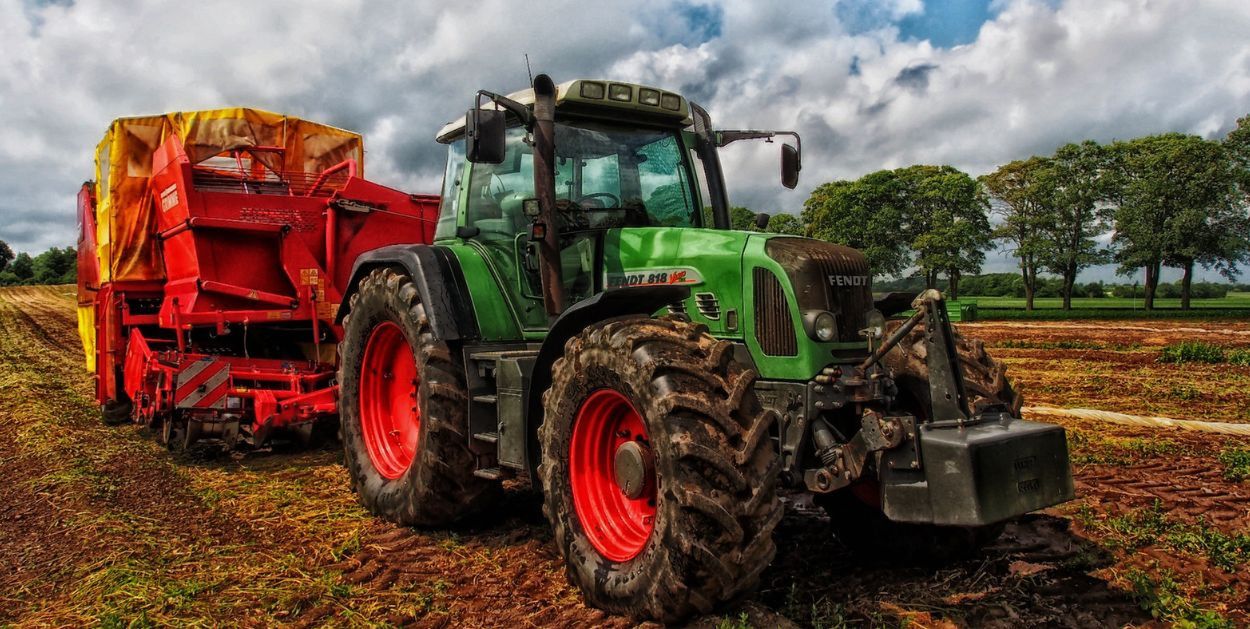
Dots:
{"x": 495, "y": 318}
{"x": 812, "y": 355}
{"x": 710, "y": 259}
{"x": 717, "y": 266}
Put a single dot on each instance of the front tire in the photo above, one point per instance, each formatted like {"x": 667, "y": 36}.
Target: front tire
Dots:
{"x": 688, "y": 523}
{"x": 403, "y": 408}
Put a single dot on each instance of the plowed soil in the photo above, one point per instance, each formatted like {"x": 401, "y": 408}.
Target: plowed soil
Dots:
{"x": 103, "y": 526}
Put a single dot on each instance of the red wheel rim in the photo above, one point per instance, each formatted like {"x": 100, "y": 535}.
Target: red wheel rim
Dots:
{"x": 618, "y": 526}
{"x": 390, "y": 419}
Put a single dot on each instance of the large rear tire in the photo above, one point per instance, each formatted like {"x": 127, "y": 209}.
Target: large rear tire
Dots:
{"x": 658, "y": 470}
{"x": 403, "y": 408}
{"x": 856, "y": 511}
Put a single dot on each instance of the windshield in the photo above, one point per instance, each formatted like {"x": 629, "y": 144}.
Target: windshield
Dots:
{"x": 605, "y": 176}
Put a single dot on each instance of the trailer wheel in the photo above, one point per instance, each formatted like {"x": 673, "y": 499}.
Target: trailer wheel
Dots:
{"x": 658, "y": 470}
{"x": 116, "y": 412}
{"x": 856, "y": 511}
{"x": 403, "y": 410}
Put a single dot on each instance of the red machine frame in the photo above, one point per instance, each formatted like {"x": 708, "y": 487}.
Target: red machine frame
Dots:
{"x": 249, "y": 254}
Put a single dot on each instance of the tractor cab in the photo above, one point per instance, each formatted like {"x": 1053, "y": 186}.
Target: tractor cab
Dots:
{"x": 606, "y": 176}
{"x": 624, "y": 156}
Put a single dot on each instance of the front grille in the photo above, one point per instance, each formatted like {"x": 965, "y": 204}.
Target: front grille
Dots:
{"x": 774, "y": 329}
{"x": 829, "y": 277}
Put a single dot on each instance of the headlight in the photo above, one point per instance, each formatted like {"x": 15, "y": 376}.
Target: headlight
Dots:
{"x": 821, "y": 325}
{"x": 875, "y": 323}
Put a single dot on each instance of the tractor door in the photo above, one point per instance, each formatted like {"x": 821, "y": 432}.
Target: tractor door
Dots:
{"x": 606, "y": 176}
{"x": 496, "y": 220}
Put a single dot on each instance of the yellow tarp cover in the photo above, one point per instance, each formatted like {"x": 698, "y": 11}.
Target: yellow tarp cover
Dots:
{"x": 125, "y": 222}
{"x": 86, "y": 332}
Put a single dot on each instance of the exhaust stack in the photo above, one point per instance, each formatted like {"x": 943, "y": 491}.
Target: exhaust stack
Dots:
{"x": 545, "y": 188}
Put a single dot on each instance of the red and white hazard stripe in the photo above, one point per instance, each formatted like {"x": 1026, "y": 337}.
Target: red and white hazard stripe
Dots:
{"x": 202, "y": 384}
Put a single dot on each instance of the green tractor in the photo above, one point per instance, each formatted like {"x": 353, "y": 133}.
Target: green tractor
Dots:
{"x": 583, "y": 322}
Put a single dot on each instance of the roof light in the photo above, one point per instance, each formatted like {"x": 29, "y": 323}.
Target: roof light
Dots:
{"x": 671, "y": 101}
{"x": 592, "y": 90}
{"x": 649, "y": 97}
{"x": 616, "y": 91}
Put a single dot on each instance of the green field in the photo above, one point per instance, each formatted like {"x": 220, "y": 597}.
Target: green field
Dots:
{"x": 1233, "y": 300}
{"x": 1234, "y": 305}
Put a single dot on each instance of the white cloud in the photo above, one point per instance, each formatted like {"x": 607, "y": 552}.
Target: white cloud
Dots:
{"x": 1038, "y": 75}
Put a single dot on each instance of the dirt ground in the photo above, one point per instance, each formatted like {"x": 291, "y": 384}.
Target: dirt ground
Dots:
{"x": 103, "y": 526}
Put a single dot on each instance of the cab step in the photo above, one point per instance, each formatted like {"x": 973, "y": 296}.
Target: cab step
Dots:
{"x": 490, "y": 473}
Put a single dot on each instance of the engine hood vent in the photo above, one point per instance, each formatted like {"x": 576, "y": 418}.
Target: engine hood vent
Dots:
{"x": 826, "y": 276}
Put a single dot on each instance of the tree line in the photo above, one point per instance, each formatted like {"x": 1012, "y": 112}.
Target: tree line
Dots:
{"x": 1168, "y": 200}
{"x": 1011, "y": 285}
{"x": 54, "y": 266}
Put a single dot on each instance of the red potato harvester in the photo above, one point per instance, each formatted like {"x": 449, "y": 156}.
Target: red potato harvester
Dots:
{"x": 213, "y": 251}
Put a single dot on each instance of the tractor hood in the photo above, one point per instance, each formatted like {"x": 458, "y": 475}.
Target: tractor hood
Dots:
{"x": 707, "y": 261}
{"x": 754, "y": 288}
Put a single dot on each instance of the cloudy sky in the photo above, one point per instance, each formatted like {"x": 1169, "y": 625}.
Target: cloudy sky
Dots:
{"x": 869, "y": 84}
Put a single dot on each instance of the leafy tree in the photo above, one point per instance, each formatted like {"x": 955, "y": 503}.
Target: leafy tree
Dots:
{"x": 1078, "y": 183}
{"x": 53, "y": 265}
{"x": 1027, "y": 208}
{"x": 6, "y": 254}
{"x": 22, "y": 267}
{"x": 1178, "y": 207}
{"x": 742, "y": 218}
{"x": 993, "y": 285}
{"x": 951, "y": 228}
{"x": 1238, "y": 145}
{"x": 937, "y": 212}
{"x": 867, "y": 214}
{"x": 784, "y": 223}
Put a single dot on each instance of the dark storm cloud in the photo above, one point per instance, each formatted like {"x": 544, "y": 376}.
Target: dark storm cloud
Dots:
{"x": 817, "y": 133}
{"x": 915, "y": 78}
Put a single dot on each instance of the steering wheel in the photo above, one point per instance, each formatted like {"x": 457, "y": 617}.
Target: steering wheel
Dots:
{"x": 616, "y": 201}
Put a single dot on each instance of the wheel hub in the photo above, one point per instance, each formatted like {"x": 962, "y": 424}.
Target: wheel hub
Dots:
{"x": 634, "y": 466}
{"x": 612, "y": 475}
{"x": 390, "y": 418}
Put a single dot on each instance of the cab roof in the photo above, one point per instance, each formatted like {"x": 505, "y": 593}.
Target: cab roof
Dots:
{"x": 608, "y": 97}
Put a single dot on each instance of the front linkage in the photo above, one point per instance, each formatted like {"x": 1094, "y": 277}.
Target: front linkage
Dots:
{"x": 940, "y": 463}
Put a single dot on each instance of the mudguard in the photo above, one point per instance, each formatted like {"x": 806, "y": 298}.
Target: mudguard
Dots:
{"x": 636, "y": 300}
{"x": 437, "y": 275}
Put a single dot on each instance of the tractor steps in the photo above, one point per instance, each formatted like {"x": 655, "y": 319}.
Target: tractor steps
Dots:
{"x": 491, "y": 473}
{"x": 497, "y": 376}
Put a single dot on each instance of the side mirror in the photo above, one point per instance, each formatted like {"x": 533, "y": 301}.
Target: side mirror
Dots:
{"x": 761, "y": 220}
{"x": 484, "y": 136}
{"x": 790, "y": 166}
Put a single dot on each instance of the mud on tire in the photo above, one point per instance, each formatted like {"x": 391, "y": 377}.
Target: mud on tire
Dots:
{"x": 438, "y": 487}
{"x": 856, "y": 512}
{"x": 984, "y": 378}
{"x": 715, "y": 463}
